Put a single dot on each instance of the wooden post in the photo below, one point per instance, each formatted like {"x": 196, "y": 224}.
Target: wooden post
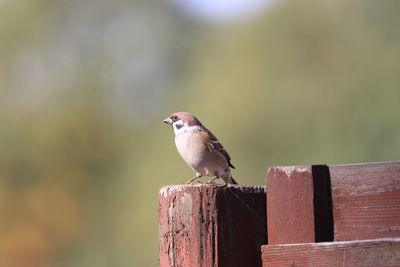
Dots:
{"x": 355, "y": 203}
{"x": 290, "y": 205}
{"x": 211, "y": 225}
{"x": 299, "y": 204}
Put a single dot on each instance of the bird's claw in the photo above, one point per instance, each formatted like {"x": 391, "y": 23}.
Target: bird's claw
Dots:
{"x": 192, "y": 180}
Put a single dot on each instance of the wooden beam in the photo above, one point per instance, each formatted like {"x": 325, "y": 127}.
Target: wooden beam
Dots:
{"x": 378, "y": 252}
{"x": 299, "y": 204}
{"x": 366, "y": 200}
{"x": 333, "y": 203}
{"x": 211, "y": 225}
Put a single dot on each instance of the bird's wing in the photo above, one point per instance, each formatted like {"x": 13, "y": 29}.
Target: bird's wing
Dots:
{"x": 212, "y": 143}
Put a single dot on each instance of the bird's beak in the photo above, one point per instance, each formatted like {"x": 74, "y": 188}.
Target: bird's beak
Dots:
{"x": 167, "y": 121}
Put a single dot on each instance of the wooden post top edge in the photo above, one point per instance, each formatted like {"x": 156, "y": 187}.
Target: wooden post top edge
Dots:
{"x": 297, "y": 167}
{"x": 167, "y": 190}
{"x": 365, "y": 163}
{"x": 290, "y": 169}
{"x": 335, "y": 243}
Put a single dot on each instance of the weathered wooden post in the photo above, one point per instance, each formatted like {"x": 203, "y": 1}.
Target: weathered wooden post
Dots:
{"x": 211, "y": 225}
{"x": 299, "y": 204}
{"x": 355, "y": 207}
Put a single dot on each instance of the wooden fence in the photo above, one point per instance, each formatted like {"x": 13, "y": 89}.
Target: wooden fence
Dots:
{"x": 315, "y": 215}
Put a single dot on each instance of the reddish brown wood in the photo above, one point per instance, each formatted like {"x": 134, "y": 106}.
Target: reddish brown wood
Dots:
{"x": 211, "y": 225}
{"x": 366, "y": 200}
{"x": 290, "y": 205}
{"x": 378, "y": 252}
{"x": 344, "y": 202}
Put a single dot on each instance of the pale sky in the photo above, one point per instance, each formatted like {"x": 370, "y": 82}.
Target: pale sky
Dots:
{"x": 221, "y": 10}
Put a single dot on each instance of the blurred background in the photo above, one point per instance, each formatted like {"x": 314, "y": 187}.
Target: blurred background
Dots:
{"x": 85, "y": 86}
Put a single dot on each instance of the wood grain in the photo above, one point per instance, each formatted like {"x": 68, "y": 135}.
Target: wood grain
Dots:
{"x": 211, "y": 225}
{"x": 362, "y": 253}
{"x": 366, "y": 200}
{"x": 290, "y": 205}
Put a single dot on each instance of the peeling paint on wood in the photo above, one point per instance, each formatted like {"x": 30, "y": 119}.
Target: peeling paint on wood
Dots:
{"x": 211, "y": 225}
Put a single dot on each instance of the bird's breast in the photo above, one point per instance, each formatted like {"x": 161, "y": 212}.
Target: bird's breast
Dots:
{"x": 191, "y": 148}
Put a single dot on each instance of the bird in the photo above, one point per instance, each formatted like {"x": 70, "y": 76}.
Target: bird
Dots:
{"x": 200, "y": 149}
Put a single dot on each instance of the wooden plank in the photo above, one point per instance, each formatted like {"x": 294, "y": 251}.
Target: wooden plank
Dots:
{"x": 290, "y": 205}
{"x": 378, "y": 252}
{"x": 298, "y": 204}
{"x": 366, "y": 200}
{"x": 211, "y": 225}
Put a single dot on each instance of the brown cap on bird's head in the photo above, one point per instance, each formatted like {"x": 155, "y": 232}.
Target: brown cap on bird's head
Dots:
{"x": 185, "y": 117}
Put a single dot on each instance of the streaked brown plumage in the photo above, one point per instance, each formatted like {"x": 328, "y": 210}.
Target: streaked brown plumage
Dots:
{"x": 200, "y": 149}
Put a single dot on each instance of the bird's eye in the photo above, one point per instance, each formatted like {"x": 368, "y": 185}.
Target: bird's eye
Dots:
{"x": 174, "y": 118}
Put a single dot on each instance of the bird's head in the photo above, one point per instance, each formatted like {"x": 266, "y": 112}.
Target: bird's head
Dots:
{"x": 182, "y": 121}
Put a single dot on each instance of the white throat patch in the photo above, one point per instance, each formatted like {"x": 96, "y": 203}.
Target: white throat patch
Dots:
{"x": 181, "y": 127}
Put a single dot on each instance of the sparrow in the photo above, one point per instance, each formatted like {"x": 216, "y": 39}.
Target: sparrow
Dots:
{"x": 200, "y": 149}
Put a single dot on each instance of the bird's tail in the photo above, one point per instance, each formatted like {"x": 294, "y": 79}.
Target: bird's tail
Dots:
{"x": 230, "y": 180}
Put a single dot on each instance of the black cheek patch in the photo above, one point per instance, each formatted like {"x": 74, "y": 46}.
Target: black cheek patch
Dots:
{"x": 178, "y": 126}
